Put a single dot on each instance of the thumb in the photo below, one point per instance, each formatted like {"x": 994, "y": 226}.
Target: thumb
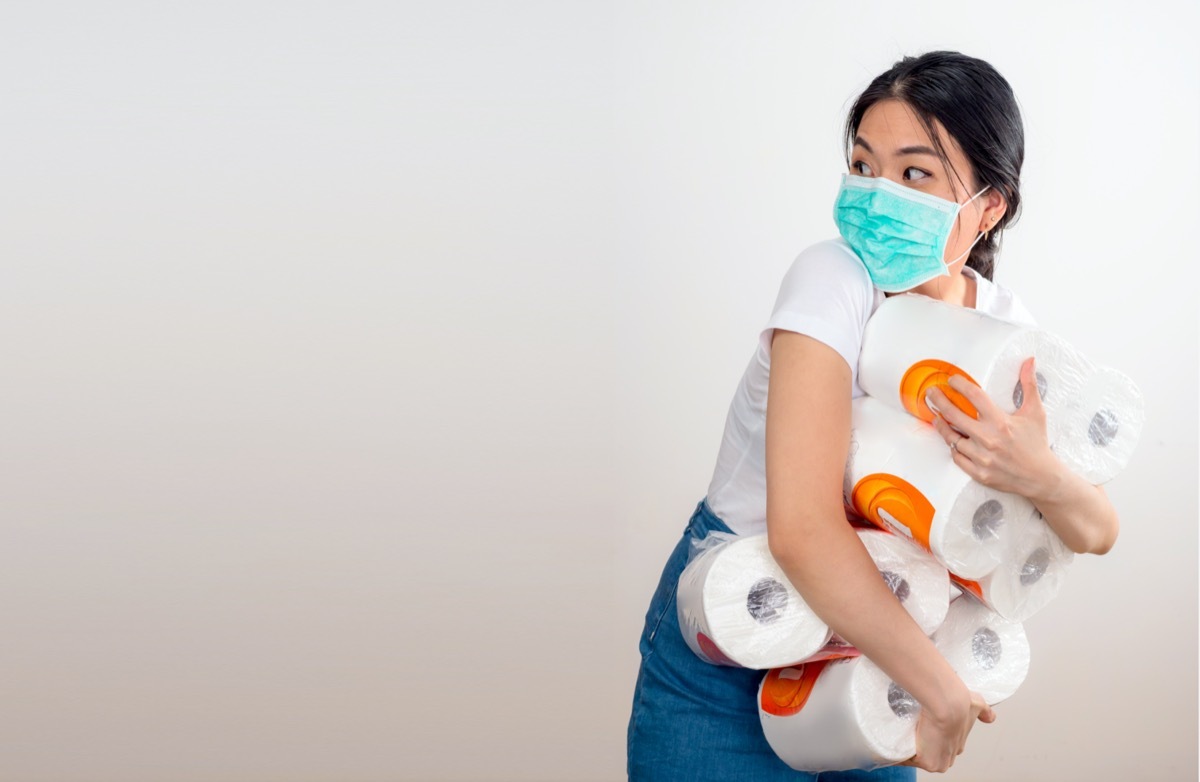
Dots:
{"x": 1031, "y": 399}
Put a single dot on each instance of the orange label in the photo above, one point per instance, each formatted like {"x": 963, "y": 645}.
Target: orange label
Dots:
{"x": 786, "y": 690}
{"x": 932, "y": 373}
{"x": 894, "y": 504}
{"x": 970, "y": 586}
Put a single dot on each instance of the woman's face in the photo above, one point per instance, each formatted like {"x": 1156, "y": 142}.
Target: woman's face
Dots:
{"x": 892, "y": 143}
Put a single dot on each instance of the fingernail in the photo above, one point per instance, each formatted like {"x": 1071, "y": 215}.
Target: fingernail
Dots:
{"x": 929, "y": 403}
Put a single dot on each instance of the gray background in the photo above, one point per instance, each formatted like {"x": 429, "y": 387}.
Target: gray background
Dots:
{"x": 364, "y": 361}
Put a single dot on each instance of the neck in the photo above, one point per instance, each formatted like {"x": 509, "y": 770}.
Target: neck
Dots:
{"x": 958, "y": 289}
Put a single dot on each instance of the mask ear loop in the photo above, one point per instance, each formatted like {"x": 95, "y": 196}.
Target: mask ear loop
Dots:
{"x": 967, "y": 252}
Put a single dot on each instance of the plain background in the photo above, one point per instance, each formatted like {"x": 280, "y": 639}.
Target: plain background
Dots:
{"x": 363, "y": 362}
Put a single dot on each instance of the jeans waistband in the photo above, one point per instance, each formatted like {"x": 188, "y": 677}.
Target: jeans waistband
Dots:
{"x": 704, "y": 521}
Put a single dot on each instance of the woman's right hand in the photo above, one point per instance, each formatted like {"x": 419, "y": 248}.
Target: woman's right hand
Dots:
{"x": 942, "y": 738}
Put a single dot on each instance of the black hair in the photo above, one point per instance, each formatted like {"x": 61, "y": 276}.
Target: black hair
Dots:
{"x": 976, "y": 105}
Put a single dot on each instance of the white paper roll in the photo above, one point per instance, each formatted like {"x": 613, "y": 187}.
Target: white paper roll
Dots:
{"x": 988, "y": 652}
{"x": 913, "y": 342}
{"x": 737, "y": 607}
{"x": 900, "y": 474}
{"x": 837, "y": 715}
{"x": 1032, "y": 570}
{"x": 918, "y": 581}
{"x": 1102, "y": 427}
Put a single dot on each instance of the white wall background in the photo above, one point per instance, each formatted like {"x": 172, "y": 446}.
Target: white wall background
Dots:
{"x": 364, "y": 361}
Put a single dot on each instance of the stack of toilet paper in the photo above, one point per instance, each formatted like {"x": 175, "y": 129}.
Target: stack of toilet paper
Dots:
{"x": 969, "y": 563}
{"x": 900, "y": 476}
{"x": 997, "y": 547}
{"x": 848, "y": 714}
{"x": 1094, "y": 414}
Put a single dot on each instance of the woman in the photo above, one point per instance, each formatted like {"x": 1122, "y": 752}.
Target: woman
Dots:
{"x": 941, "y": 130}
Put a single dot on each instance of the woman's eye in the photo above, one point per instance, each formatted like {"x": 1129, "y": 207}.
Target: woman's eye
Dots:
{"x": 919, "y": 175}
{"x": 861, "y": 167}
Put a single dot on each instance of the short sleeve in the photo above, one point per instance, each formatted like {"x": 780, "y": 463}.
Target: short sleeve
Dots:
{"x": 826, "y": 294}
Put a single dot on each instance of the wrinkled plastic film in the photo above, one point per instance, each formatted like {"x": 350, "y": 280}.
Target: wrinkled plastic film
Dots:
{"x": 1094, "y": 414}
{"x": 840, "y": 715}
{"x": 1032, "y": 571}
{"x": 988, "y": 652}
{"x": 737, "y": 607}
{"x": 900, "y": 474}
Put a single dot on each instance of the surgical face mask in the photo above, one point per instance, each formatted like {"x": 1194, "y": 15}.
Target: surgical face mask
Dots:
{"x": 899, "y": 233}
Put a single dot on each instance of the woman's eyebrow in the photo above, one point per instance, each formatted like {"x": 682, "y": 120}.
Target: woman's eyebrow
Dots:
{"x": 918, "y": 150}
{"x": 912, "y": 150}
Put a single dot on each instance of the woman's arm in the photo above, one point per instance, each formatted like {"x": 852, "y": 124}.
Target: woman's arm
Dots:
{"x": 807, "y": 442}
{"x": 1011, "y": 453}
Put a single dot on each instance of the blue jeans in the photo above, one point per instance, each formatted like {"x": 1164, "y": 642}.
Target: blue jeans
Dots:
{"x": 693, "y": 721}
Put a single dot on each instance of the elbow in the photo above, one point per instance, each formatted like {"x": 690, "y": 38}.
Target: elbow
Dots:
{"x": 1108, "y": 541}
{"x": 1104, "y": 542}
{"x": 796, "y": 542}
{"x": 783, "y": 547}
{"x": 790, "y": 543}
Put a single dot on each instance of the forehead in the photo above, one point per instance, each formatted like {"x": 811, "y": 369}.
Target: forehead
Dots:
{"x": 891, "y": 124}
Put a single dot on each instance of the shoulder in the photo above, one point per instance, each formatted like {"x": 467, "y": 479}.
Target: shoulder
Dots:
{"x": 831, "y": 261}
{"x": 826, "y": 294}
{"x": 827, "y": 270}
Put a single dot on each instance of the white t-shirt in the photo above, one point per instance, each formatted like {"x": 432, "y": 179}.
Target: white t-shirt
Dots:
{"x": 826, "y": 294}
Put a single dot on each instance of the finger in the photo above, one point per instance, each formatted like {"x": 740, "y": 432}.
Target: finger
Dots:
{"x": 988, "y": 411}
{"x": 945, "y": 430}
{"x": 988, "y": 715}
{"x": 1031, "y": 397}
{"x": 953, "y": 415}
{"x": 965, "y": 464}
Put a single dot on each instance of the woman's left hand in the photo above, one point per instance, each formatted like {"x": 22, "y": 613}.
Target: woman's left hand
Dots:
{"x": 1006, "y": 452}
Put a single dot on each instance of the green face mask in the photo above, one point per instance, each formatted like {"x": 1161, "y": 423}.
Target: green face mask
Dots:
{"x": 900, "y": 234}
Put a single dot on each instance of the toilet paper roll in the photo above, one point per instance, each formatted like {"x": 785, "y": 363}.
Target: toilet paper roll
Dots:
{"x": 1033, "y": 567}
{"x": 918, "y": 581}
{"x": 737, "y": 607}
{"x": 913, "y": 343}
{"x": 1102, "y": 426}
{"x": 901, "y": 476}
{"x": 988, "y": 652}
{"x": 838, "y": 715}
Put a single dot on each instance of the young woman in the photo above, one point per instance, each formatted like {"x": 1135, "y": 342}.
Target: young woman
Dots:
{"x": 936, "y": 133}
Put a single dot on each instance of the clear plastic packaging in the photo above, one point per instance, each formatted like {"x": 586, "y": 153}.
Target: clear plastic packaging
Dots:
{"x": 737, "y": 607}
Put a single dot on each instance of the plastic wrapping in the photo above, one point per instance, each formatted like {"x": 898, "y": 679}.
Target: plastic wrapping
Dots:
{"x": 918, "y": 581}
{"x": 837, "y": 715}
{"x": 737, "y": 607}
{"x": 1102, "y": 426}
{"x": 912, "y": 343}
{"x": 900, "y": 475}
{"x": 1033, "y": 569}
{"x": 988, "y": 652}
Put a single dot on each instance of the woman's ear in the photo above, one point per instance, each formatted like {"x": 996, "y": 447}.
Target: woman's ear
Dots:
{"x": 993, "y": 210}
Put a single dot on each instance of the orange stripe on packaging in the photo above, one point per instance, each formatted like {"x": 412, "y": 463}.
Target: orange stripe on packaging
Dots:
{"x": 890, "y": 502}
{"x": 786, "y": 690}
{"x": 927, "y": 374}
{"x": 974, "y": 587}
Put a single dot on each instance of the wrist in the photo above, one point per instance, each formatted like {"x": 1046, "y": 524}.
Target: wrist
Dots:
{"x": 949, "y": 701}
{"x": 1050, "y": 481}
